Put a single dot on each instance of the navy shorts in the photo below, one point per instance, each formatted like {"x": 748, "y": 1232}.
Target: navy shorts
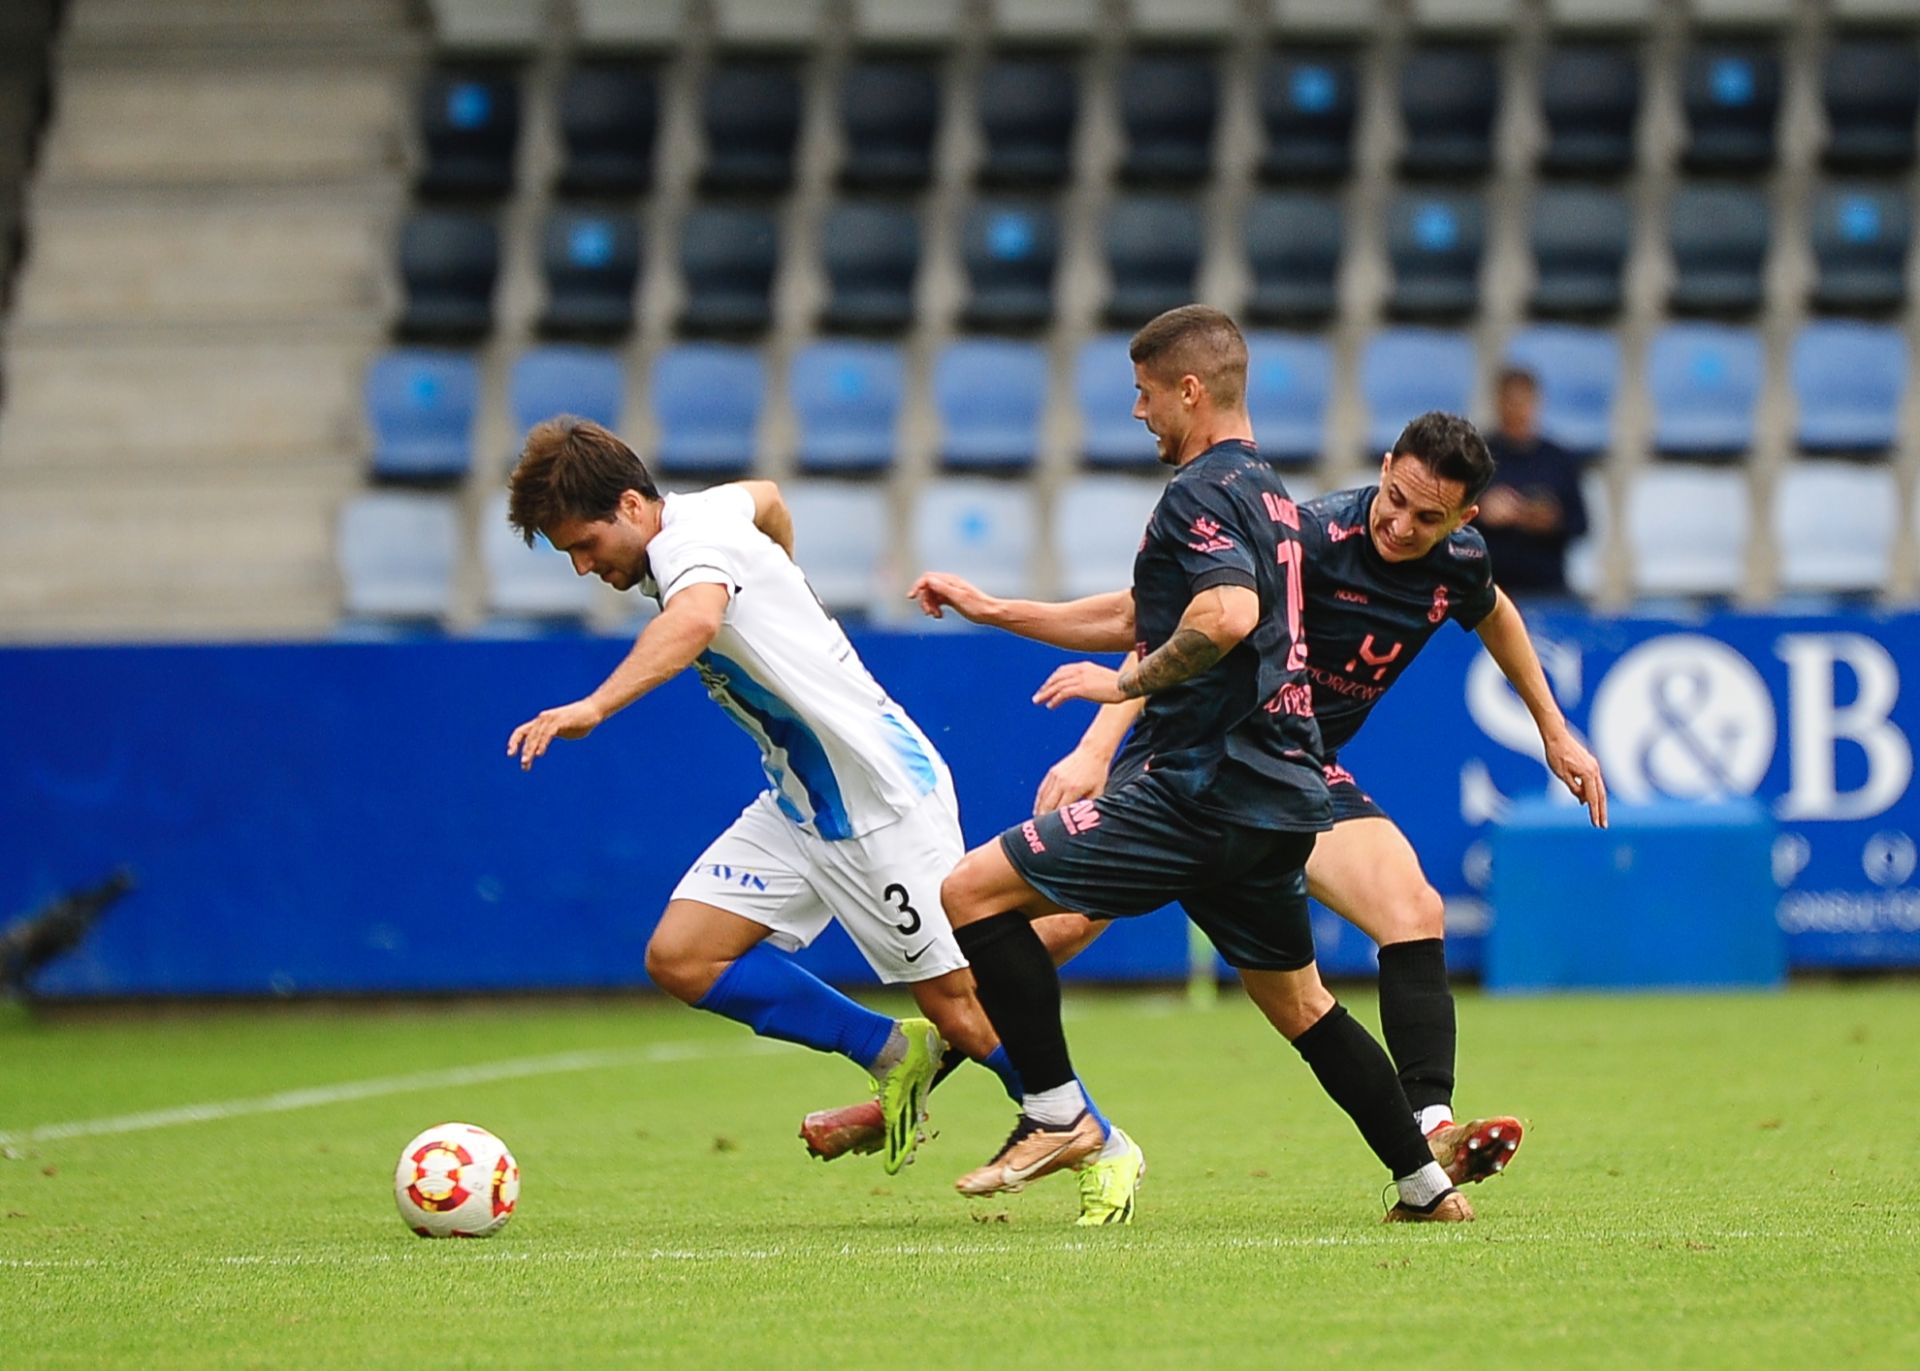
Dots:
{"x": 1349, "y": 800}
{"x": 1138, "y": 847}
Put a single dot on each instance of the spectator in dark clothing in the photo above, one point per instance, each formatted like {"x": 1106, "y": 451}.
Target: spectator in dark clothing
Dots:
{"x": 1534, "y": 508}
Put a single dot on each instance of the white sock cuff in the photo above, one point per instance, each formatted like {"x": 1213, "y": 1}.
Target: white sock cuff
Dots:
{"x": 1424, "y": 1186}
{"x": 1057, "y": 1107}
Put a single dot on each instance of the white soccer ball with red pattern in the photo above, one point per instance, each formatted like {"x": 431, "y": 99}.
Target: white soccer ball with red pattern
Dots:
{"x": 456, "y": 1181}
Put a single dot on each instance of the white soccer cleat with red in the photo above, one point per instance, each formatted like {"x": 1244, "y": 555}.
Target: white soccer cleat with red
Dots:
{"x": 1476, "y": 1149}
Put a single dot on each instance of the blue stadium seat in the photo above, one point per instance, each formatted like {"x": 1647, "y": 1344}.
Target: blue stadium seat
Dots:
{"x": 706, "y": 401}
{"x": 889, "y": 110}
{"x": 1097, "y": 525}
{"x": 1591, "y": 96}
{"x": 1405, "y": 372}
{"x": 751, "y": 112}
{"x": 1448, "y": 97}
{"x": 1010, "y": 248}
{"x": 842, "y": 534}
{"x": 1580, "y": 236}
{"x": 609, "y": 117}
{"x": 1152, "y": 248}
{"x": 470, "y": 125}
{"x": 1704, "y": 381}
{"x": 872, "y": 254}
{"x": 1434, "y": 240}
{"x": 1861, "y": 237}
{"x": 448, "y": 264}
{"x": 1834, "y": 527}
{"x": 983, "y": 530}
{"x": 1168, "y": 108}
{"x": 1687, "y": 527}
{"x": 1719, "y": 239}
{"x": 591, "y": 259}
{"x": 1307, "y": 103}
{"x": 728, "y": 255}
{"x": 1872, "y": 94}
{"x": 846, "y": 396}
{"x": 1732, "y": 95}
{"x": 1028, "y": 109}
{"x": 528, "y": 582}
{"x": 991, "y": 395}
{"x": 1849, "y": 381}
{"x": 420, "y": 408}
{"x": 1289, "y": 384}
{"x": 1579, "y": 374}
{"x": 588, "y": 382}
{"x": 1294, "y": 241}
{"x": 396, "y": 551}
{"x": 1104, "y": 394}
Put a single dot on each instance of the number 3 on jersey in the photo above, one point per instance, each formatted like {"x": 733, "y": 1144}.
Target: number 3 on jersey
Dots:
{"x": 896, "y": 891}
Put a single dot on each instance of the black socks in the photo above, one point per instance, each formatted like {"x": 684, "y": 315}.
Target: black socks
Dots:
{"x": 1416, "y": 1017}
{"x": 1355, "y": 1071}
{"x": 1020, "y": 990}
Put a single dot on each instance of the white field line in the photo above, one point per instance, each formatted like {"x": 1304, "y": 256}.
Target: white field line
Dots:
{"x": 316, "y": 1097}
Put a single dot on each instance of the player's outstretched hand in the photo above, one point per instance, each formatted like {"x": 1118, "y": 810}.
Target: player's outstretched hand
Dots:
{"x": 1579, "y": 770}
{"x": 1081, "y": 681}
{"x": 531, "y": 739}
{"x": 1076, "y": 776}
{"x": 937, "y": 591}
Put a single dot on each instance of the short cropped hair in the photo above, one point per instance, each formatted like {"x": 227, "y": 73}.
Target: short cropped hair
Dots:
{"x": 1515, "y": 375}
{"x": 1196, "y": 340}
{"x": 1451, "y": 448}
{"x": 571, "y": 468}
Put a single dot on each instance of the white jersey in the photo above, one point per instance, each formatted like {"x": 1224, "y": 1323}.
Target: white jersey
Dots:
{"x": 841, "y": 757}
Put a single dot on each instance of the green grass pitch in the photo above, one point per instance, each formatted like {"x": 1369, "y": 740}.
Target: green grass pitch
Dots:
{"x": 1708, "y": 1181}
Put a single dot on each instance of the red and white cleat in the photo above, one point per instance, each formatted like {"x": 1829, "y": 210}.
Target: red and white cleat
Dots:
{"x": 830, "y": 1133}
{"x": 1476, "y": 1149}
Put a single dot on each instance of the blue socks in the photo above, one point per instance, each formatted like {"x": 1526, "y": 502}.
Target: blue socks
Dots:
{"x": 997, "y": 1063}
{"x": 777, "y": 998}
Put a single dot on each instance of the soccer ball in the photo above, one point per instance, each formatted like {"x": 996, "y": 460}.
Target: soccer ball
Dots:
{"x": 456, "y": 1181}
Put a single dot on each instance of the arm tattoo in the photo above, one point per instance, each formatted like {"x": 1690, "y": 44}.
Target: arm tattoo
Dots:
{"x": 1182, "y": 657}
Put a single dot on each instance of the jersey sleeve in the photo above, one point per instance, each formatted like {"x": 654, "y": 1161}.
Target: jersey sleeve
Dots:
{"x": 1479, "y": 596}
{"x": 703, "y": 544}
{"x": 1206, "y": 534}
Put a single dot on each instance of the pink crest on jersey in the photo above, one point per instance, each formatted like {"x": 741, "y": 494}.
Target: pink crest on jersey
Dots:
{"x": 1439, "y": 609}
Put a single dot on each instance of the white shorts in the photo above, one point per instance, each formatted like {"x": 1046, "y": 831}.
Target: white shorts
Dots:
{"x": 884, "y": 887}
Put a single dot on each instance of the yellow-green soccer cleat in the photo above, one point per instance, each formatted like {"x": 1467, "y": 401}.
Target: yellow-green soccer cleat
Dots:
{"x": 1107, "y": 1187}
{"x": 903, "y": 1094}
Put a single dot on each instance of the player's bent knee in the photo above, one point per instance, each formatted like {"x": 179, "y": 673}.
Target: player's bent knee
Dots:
{"x": 686, "y": 977}
{"x": 1421, "y": 915}
{"x": 964, "y": 893}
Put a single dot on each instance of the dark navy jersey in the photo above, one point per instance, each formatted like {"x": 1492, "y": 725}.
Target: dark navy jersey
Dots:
{"x": 1238, "y": 740}
{"x": 1368, "y": 617}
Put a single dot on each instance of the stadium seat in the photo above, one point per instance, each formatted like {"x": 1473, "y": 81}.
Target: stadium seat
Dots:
{"x": 628, "y": 25}
{"x": 1591, "y": 97}
{"x": 592, "y": 264}
{"x": 1307, "y": 103}
{"x": 889, "y": 111}
{"x": 420, "y": 408}
{"x": 751, "y": 113}
{"x": 1104, "y": 394}
{"x": 1448, "y": 97}
{"x": 991, "y": 395}
{"x": 872, "y": 254}
{"x": 1293, "y": 241}
{"x": 1687, "y": 529}
{"x": 1861, "y": 235}
{"x": 449, "y": 261}
{"x": 1168, "y": 109}
{"x": 1152, "y": 248}
{"x": 1872, "y": 93}
{"x": 396, "y": 551}
{"x": 1406, "y": 372}
{"x": 706, "y": 400}
{"x": 1849, "y": 381}
{"x": 1742, "y": 14}
{"x": 1704, "y": 383}
{"x": 842, "y": 534}
{"x": 1097, "y": 525}
{"x": 547, "y": 381}
{"x": 1184, "y": 21}
{"x": 1579, "y": 374}
{"x": 470, "y": 124}
{"x": 1466, "y": 15}
{"x": 1580, "y": 236}
{"x": 1010, "y": 248}
{"x": 1060, "y": 23}
{"x": 609, "y": 115}
{"x": 1601, "y": 14}
{"x": 1586, "y": 555}
{"x": 528, "y": 582}
{"x": 1732, "y": 95}
{"x": 906, "y": 23}
{"x": 1434, "y": 241}
{"x": 1834, "y": 526}
{"x": 983, "y": 530}
{"x": 727, "y": 256}
{"x": 768, "y": 23}
{"x": 846, "y": 397}
{"x": 487, "y": 26}
{"x": 1289, "y": 385}
{"x": 1028, "y": 109}
{"x": 1719, "y": 241}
